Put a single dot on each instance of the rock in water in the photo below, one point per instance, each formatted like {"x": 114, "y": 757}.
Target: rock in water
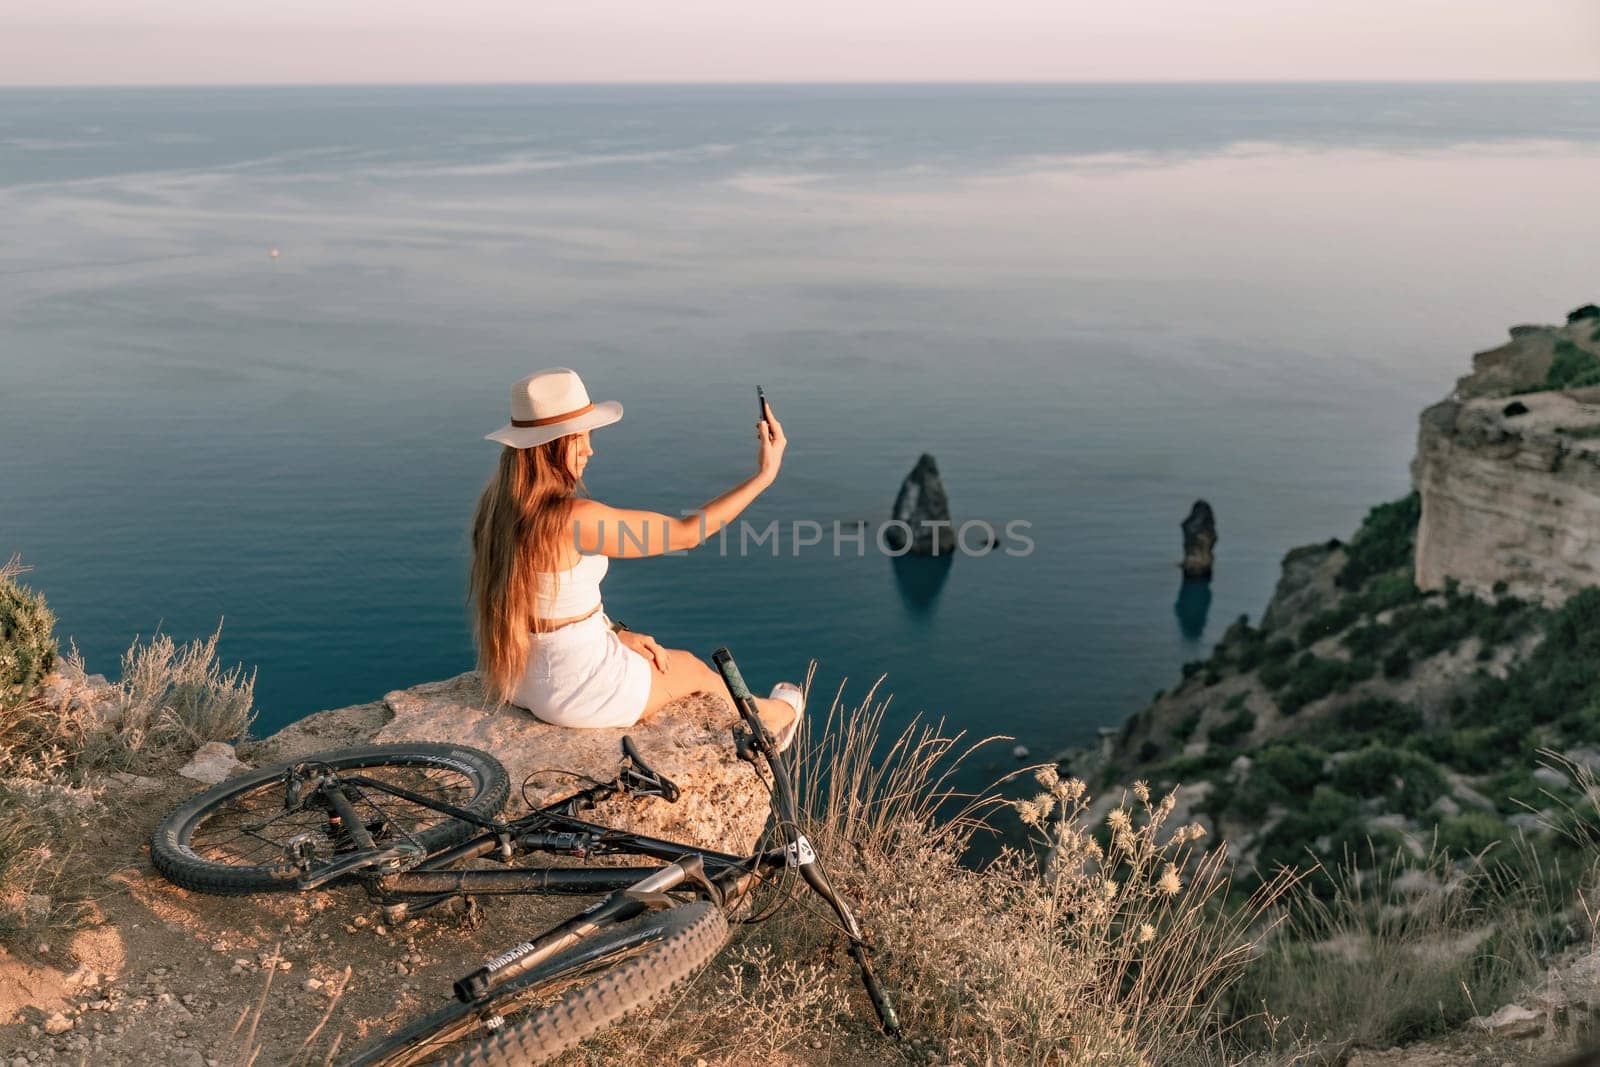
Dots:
{"x": 922, "y": 505}
{"x": 1199, "y": 537}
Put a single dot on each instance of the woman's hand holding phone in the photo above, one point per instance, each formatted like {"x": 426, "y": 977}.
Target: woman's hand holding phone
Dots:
{"x": 770, "y": 441}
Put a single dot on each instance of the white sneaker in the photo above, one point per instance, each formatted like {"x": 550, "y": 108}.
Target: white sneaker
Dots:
{"x": 791, "y": 695}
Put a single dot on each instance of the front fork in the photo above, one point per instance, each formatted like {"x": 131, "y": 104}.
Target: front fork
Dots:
{"x": 755, "y": 739}
{"x": 860, "y": 951}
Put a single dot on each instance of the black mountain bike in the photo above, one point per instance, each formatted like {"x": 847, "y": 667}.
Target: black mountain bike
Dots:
{"x": 399, "y": 819}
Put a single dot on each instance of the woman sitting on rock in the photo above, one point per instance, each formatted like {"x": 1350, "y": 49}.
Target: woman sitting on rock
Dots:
{"x": 539, "y": 551}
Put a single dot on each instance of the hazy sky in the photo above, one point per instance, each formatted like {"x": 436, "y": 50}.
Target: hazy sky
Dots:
{"x": 74, "y": 42}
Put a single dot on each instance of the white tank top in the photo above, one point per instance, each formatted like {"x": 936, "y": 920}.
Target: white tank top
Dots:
{"x": 574, "y": 591}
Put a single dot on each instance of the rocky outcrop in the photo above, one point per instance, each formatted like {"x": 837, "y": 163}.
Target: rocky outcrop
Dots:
{"x": 212, "y": 762}
{"x": 723, "y": 804}
{"x": 1307, "y": 585}
{"x": 1520, "y": 364}
{"x": 922, "y": 506}
{"x": 1199, "y": 539}
{"x": 1508, "y": 467}
{"x": 1510, "y": 494}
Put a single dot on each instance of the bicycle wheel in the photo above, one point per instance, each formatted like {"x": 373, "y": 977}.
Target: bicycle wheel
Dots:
{"x": 569, "y": 997}
{"x": 243, "y": 837}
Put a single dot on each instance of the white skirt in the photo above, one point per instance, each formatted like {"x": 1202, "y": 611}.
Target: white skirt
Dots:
{"x": 582, "y": 676}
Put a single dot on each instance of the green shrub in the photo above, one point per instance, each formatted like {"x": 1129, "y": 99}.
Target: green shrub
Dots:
{"x": 1294, "y": 765}
{"x": 1572, "y": 368}
{"x": 1258, "y": 793}
{"x": 1229, "y": 733}
{"x": 1472, "y": 833}
{"x": 1397, "y": 664}
{"x": 1314, "y": 678}
{"x": 1555, "y": 681}
{"x": 27, "y": 637}
{"x": 1327, "y": 811}
{"x": 1390, "y": 590}
{"x": 1377, "y": 719}
{"x": 1293, "y": 841}
{"x": 1185, "y": 727}
{"x": 1515, "y": 790}
{"x": 1383, "y": 543}
{"x": 1409, "y": 780}
{"x": 1330, "y": 622}
{"x": 1190, "y": 769}
{"x": 1367, "y": 640}
{"x": 1276, "y": 675}
{"x": 1472, "y": 749}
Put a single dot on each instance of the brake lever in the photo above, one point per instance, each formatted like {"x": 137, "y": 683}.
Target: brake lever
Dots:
{"x": 744, "y": 744}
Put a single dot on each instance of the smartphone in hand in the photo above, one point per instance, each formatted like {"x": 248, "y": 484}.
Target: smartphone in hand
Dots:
{"x": 761, "y": 403}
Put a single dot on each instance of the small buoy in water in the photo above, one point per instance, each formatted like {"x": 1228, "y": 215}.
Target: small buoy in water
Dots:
{"x": 273, "y": 253}
{"x": 1021, "y": 752}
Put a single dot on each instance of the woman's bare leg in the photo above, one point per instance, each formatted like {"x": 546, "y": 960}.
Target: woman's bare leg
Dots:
{"x": 687, "y": 673}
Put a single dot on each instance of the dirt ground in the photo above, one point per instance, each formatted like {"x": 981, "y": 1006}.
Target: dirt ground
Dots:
{"x": 161, "y": 976}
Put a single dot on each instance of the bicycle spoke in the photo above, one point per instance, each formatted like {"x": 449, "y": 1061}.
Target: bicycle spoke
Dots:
{"x": 256, "y": 829}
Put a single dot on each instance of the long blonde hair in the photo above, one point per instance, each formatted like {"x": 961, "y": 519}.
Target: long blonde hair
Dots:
{"x": 522, "y": 516}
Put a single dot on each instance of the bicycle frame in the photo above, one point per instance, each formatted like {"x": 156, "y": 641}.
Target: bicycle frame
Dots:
{"x": 556, "y": 829}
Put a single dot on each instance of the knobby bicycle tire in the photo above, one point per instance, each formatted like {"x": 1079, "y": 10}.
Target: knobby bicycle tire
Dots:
{"x": 614, "y": 972}
{"x": 174, "y": 852}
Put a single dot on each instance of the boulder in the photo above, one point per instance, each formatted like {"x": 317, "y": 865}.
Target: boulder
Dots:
{"x": 1466, "y": 795}
{"x": 1512, "y": 1021}
{"x": 1552, "y": 778}
{"x": 1445, "y": 807}
{"x": 1199, "y": 538}
{"x": 722, "y": 805}
{"x": 133, "y": 785}
{"x": 212, "y": 762}
{"x": 923, "y": 506}
{"x": 1583, "y": 757}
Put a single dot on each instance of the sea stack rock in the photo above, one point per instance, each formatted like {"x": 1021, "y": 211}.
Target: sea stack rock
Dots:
{"x": 1199, "y": 537}
{"x": 921, "y": 504}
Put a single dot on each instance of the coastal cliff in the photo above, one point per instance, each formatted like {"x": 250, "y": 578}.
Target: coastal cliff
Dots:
{"x": 1508, "y": 469}
{"x": 1431, "y": 680}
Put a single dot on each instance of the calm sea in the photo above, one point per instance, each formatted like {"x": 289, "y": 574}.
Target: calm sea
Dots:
{"x": 1093, "y": 304}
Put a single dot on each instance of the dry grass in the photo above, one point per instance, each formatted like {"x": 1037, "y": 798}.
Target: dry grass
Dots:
{"x": 38, "y": 828}
{"x": 1396, "y": 954}
{"x": 171, "y": 699}
{"x": 178, "y": 697}
{"x": 1094, "y": 955}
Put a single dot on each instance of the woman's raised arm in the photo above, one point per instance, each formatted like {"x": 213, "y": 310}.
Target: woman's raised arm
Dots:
{"x": 626, "y": 533}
